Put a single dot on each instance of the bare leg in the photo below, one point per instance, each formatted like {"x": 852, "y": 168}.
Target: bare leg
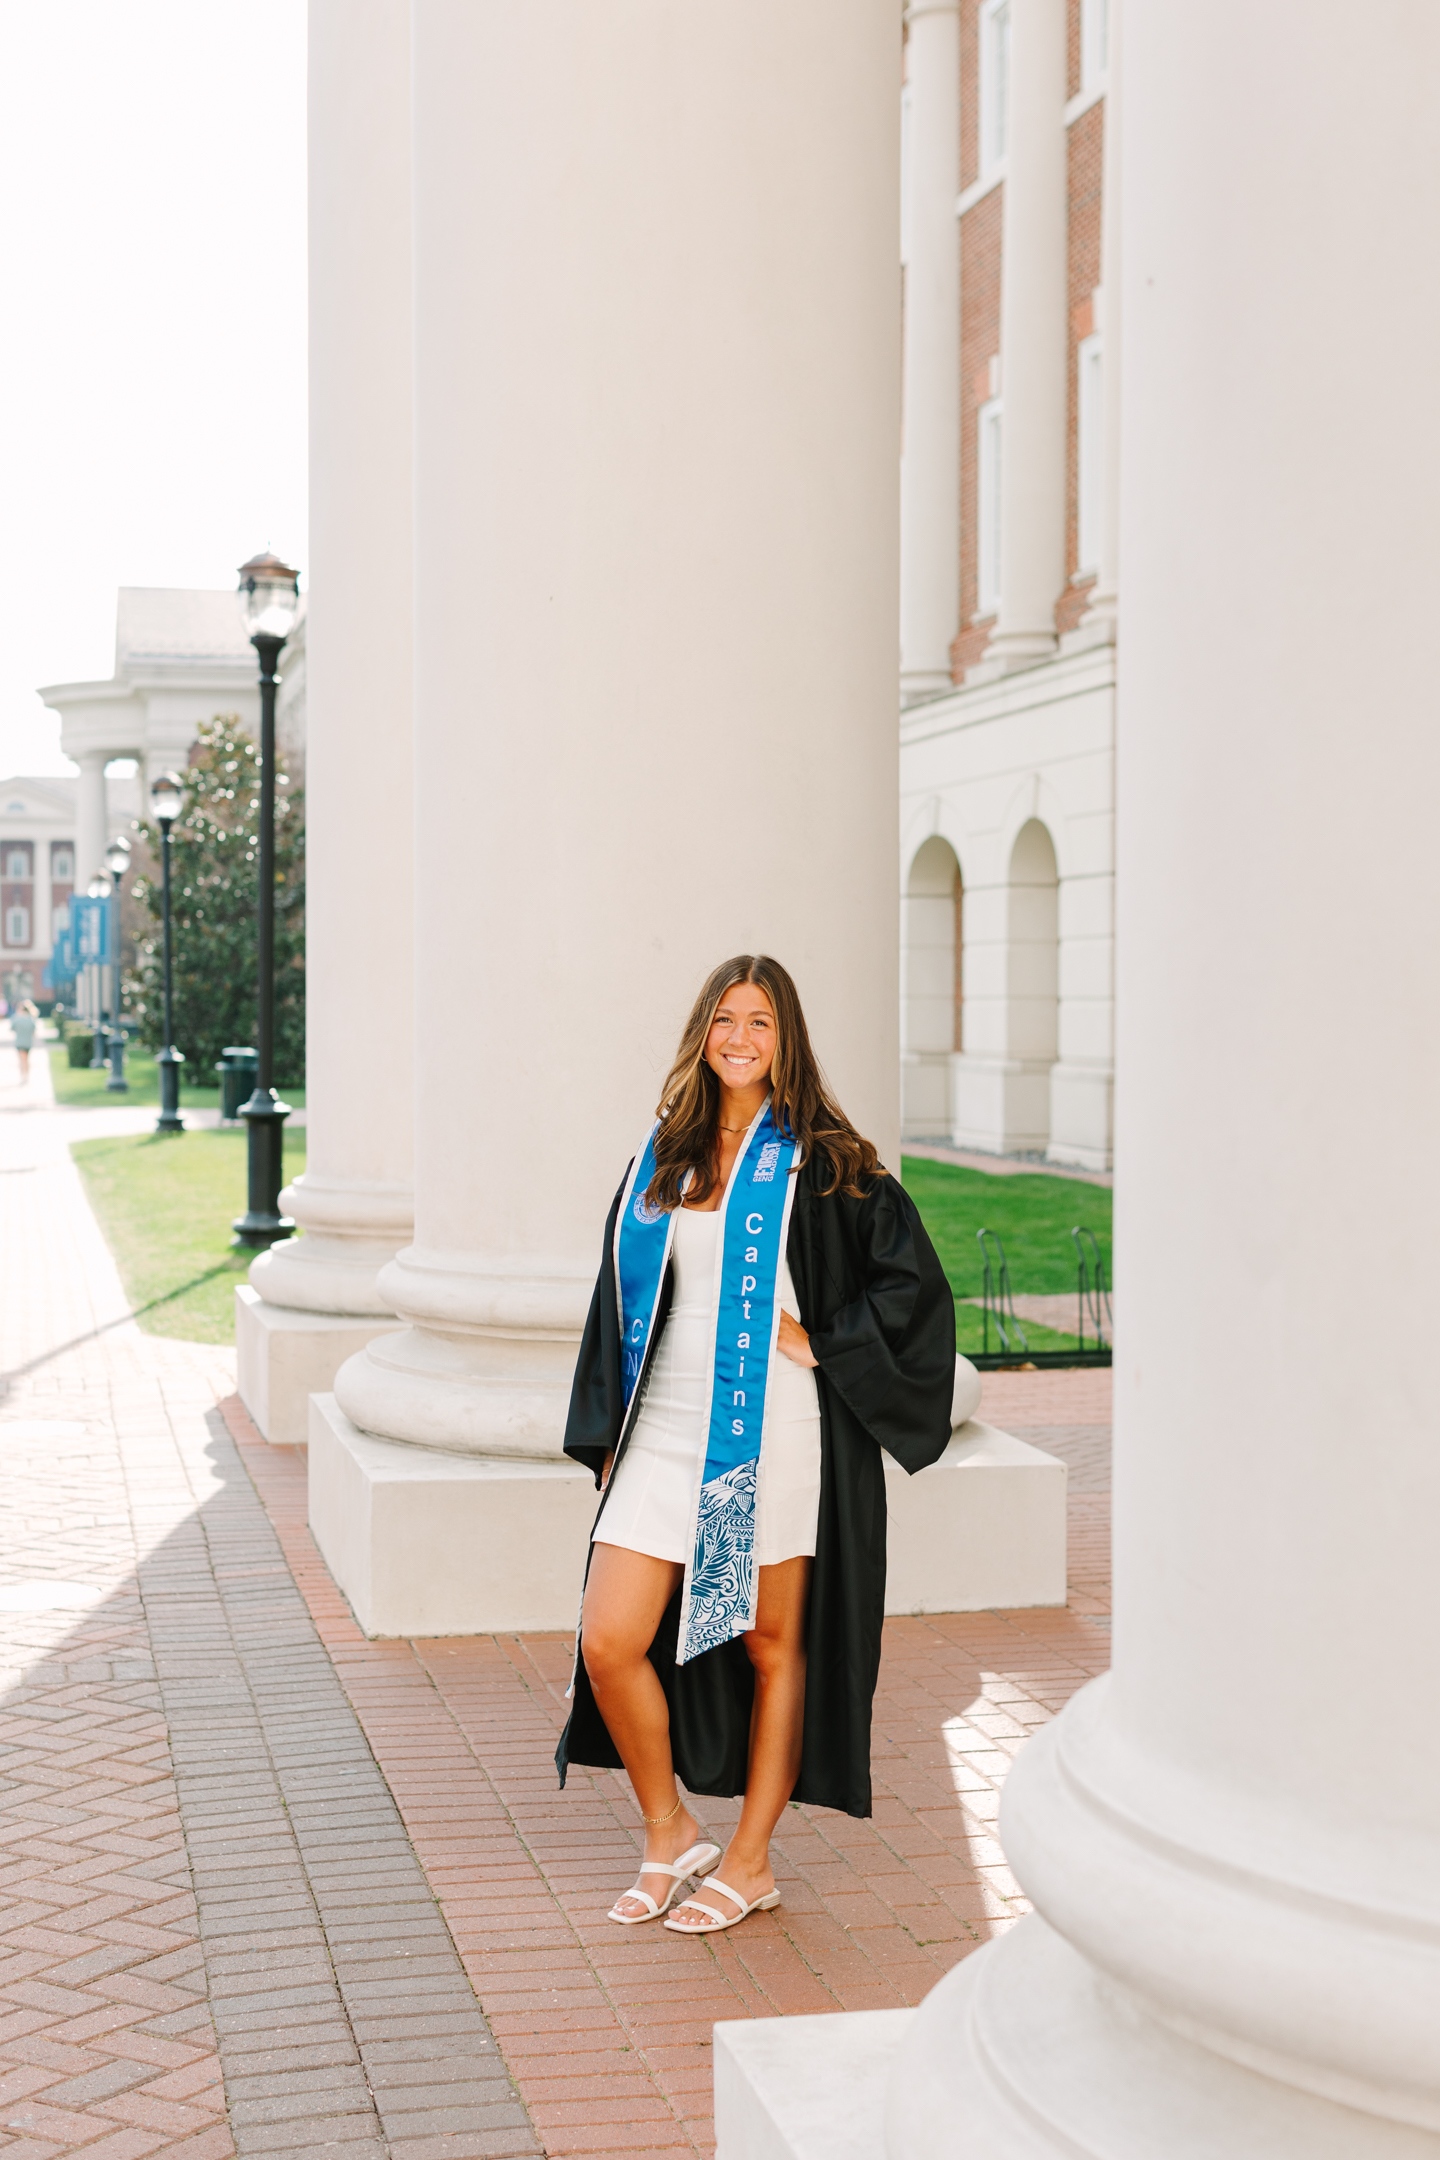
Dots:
{"x": 625, "y": 1601}
{"x": 776, "y": 1648}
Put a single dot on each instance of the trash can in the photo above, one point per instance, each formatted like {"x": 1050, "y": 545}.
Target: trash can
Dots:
{"x": 237, "y": 1068}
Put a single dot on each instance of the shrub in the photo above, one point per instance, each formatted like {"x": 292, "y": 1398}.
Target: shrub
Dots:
{"x": 214, "y": 889}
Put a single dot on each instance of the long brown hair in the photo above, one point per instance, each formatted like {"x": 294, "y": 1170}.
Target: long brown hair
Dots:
{"x": 689, "y": 1106}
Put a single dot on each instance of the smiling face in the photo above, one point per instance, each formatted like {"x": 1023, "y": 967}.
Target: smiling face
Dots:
{"x": 740, "y": 1047}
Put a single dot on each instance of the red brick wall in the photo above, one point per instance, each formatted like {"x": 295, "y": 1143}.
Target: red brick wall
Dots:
{"x": 980, "y": 234}
{"x": 1086, "y": 148}
{"x": 980, "y": 264}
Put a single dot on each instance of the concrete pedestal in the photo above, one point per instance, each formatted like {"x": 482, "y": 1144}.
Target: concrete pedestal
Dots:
{"x": 982, "y": 1528}
{"x": 283, "y": 1357}
{"x": 426, "y": 1543}
{"x": 429, "y": 1544}
{"x": 805, "y": 2088}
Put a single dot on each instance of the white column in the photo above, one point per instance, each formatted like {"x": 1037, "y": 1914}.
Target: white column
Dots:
{"x": 92, "y": 828}
{"x": 656, "y": 624}
{"x": 930, "y": 457}
{"x": 1033, "y": 344}
{"x": 92, "y": 835}
{"x": 1101, "y": 614}
{"x": 1233, "y": 1843}
{"x": 354, "y": 1202}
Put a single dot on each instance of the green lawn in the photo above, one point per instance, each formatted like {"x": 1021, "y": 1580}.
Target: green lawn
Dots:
{"x": 81, "y": 1088}
{"x": 1031, "y": 1216}
{"x": 165, "y": 1204}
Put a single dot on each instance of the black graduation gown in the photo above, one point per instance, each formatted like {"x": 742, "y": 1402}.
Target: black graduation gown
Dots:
{"x": 880, "y": 1315}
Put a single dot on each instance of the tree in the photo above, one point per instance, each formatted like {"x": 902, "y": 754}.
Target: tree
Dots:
{"x": 214, "y": 892}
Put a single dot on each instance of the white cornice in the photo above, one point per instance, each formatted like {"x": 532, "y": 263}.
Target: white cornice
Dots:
{"x": 1049, "y": 682}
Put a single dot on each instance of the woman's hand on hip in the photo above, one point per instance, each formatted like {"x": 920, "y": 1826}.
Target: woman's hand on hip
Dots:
{"x": 794, "y": 1341}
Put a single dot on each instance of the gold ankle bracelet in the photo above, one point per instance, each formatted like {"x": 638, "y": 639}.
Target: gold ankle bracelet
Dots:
{"x": 655, "y": 1821}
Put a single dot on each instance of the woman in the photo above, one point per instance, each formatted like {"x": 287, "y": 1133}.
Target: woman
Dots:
{"x": 768, "y": 1310}
{"x": 23, "y": 1024}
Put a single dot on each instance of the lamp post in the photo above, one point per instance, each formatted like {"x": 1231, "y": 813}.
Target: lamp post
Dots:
{"x": 117, "y": 862}
{"x": 167, "y": 800}
{"x": 269, "y": 602}
{"x": 97, "y": 889}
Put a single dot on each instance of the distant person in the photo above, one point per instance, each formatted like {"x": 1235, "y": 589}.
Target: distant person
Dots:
{"x": 23, "y": 1022}
{"x": 770, "y": 1314}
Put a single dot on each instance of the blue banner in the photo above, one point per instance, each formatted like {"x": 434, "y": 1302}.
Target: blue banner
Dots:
{"x": 90, "y": 932}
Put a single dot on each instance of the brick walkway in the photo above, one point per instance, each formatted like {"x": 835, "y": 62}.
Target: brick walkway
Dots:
{"x": 245, "y": 1843}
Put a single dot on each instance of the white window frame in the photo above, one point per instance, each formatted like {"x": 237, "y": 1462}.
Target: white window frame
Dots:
{"x": 907, "y": 156}
{"x": 13, "y": 855}
{"x": 17, "y": 927}
{"x": 990, "y": 449}
{"x": 1089, "y": 452}
{"x": 62, "y": 867}
{"x": 994, "y": 84}
{"x": 1094, "y": 42}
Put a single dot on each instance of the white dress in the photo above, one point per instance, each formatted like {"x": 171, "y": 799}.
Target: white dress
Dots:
{"x": 652, "y": 1493}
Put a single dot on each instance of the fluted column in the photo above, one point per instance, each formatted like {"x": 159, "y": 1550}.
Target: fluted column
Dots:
{"x": 354, "y": 1201}
{"x": 656, "y": 624}
{"x": 92, "y": 833}
{"x": 930, "y": 458}
{"x": 92, "y": 828}
{"x": 1033, "y": 348}
{"x": 1101, "y": 615}
{"x": 1233, "y": 1843}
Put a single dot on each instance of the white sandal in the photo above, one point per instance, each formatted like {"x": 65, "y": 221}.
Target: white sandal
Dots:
{"x": 689, "y": 1863}
{"x": 767, "y": 1903}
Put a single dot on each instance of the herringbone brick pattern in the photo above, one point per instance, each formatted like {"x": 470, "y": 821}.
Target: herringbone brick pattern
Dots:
{"x": 607, "y": 2031}
{"x": 240, "y": 1842}
{"x": 202, "y": 1873}
{"x": 106, "y": 2043}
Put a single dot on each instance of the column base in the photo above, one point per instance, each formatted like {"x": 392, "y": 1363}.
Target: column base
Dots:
{"x": 424, "y": 1543}
{"x": 282, "y": 1357}
{"x": 352, "y": 1230}
{"x": 1022, "y": 2052}
{"x": 1008, "y": 652}
{"x": 485, "y": 1365}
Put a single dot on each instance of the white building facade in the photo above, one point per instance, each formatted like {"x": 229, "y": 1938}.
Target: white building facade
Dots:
{"x": 181, "y": 657}
{"x": 1008, "y": 579}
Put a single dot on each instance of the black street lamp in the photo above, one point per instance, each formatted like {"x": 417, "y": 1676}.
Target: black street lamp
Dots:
{"x": 117, "y": 862}
{"x": 269, "y": 602}
{"x": 97, "y": 889}
{"x": 167, "y": 800}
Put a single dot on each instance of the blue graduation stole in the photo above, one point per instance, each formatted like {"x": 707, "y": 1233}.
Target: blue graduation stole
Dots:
{"x": 718, "y": 1601}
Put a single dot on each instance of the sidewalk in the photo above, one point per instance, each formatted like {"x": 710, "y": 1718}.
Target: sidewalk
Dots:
{"x": 246, "y": 1845}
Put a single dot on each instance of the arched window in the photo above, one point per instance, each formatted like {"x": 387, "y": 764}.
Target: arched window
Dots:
{"x": 932, "y": 978}
{"x": 1032, "y": 982}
